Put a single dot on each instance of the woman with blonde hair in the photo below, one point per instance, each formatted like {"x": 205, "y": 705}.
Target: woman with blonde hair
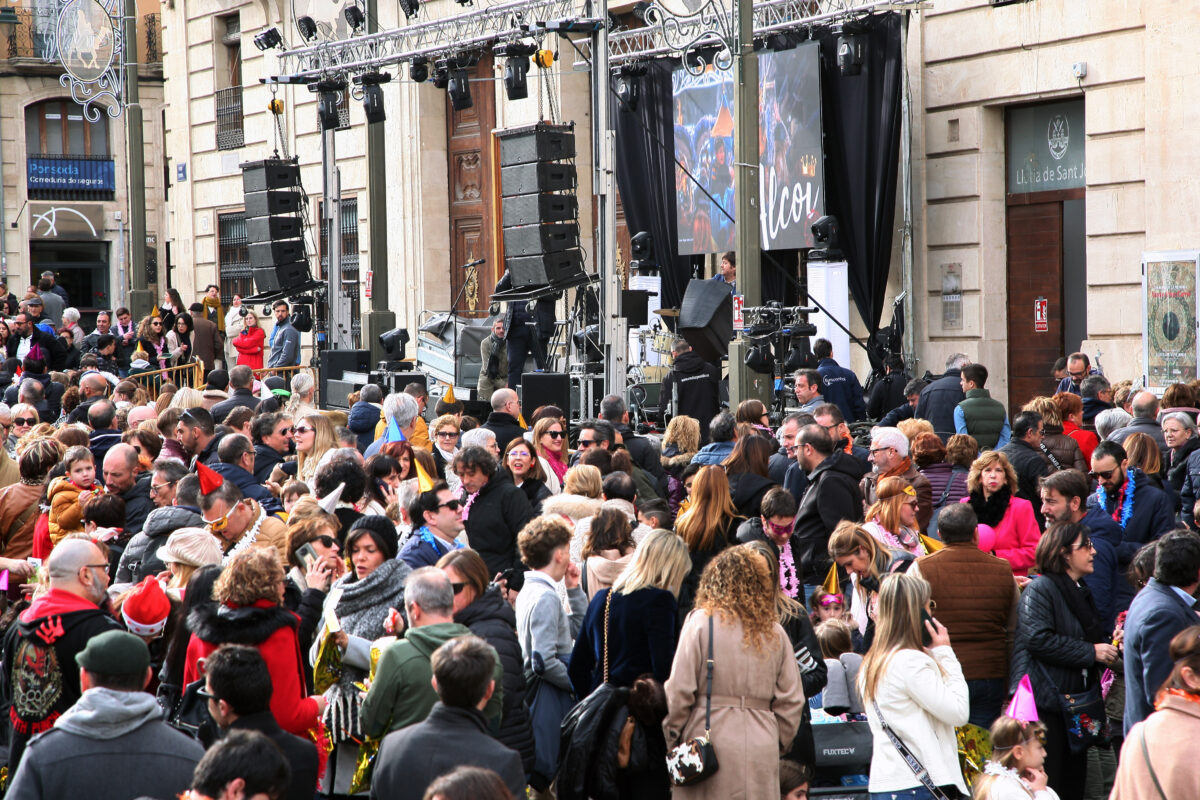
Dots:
{"x": 304, "y": 391}
{"x": 314, "y": 437}
{"x": 1066, "y": 450}
{"x": 914, "y": 427}
{"x": 866, "y": 561}
{"x": 152, "y": 338}
{"x": 1007, "y": 527}
{"x": 707, "y": 527}
{"x": 892, "y": 518}
{"x": 680, "y": 442}
{"x": 186, "y": 398}
{"x": 641, "y": 617}
{"x": 580, "y": 497}
{"x": 911, "y": 682}
{"x": 756, "y": 701}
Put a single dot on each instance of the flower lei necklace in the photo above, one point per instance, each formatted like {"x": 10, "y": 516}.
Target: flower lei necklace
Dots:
{"x": 789, "y": 580}
{"x": 1124, "y": 510}
{"x": 247, "y": 539}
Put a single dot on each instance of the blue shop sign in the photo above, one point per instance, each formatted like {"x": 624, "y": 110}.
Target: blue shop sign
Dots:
{"x": 50, "y": 172}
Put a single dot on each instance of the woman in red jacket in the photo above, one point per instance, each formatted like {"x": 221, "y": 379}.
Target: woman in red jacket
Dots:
{"x": 249, "y": 595}
{"x": 1007, "y": 526}
{"x": 249, "y": 343}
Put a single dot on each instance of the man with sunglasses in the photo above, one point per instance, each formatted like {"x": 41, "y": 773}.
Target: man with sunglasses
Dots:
{"x": 437, "y": 520}
{"x": 49, "y": 634}
{"x": 272, "y": 442}
{"x": 239, "y": 522}
{"x": 1144, "y": 512}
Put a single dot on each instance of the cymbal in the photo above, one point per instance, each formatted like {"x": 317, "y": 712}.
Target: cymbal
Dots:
{"x": 667, "y": 312}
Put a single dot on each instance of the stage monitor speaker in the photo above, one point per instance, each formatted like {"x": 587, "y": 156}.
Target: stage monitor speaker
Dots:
{"x": 334, "y": 364}
{"x": 546, "y": 268}
{"x": 396, "y": 381}
{"x": 635, "y": 307}
{"x": 281, "y": 276}
{"x": 544, "y": 389}
{"x": 541, "y": 141}
{"x": 706, "y": 318}
{"x": 543, "y": 176}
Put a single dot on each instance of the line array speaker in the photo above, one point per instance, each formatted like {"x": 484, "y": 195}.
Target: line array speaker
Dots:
{"x": 540, "y": 209}
{"x": 274, "y": 229}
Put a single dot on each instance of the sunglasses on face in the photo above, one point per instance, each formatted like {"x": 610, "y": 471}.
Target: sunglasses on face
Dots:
{"x": 283, "y": 431}
{"x": 326, "y": 541}
{"x": 447, "y": 434}
{"x": 585, "y": 443}
{"x": 301, "y": 429}
{"x": 155, "y": 488}
{"x": 554, "y": 434}
{"x": 1102, "y": 475}
{"x": 453, "y": 505}
{"x": 23, "y": 421}
{"x": 457, "y": 587}
{"x": 220, "y": 524}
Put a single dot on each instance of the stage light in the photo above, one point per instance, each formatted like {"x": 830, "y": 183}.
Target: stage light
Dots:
{"x": 587, "y": 344}
{"x": 826, "y": 231}
{"x": 418, "y": 70}
{"x": 307, "y": 28}
{"x": 441, "y": 73}
{"x": 459, "y": 87}
{"x": 329, "y": 96}
{"x": 641, "y": 253}
{"x": 780, "y": 41}
{"x": 627, "y": 91}
{"x": 302, "y": 318}
{"x": 760, "y": 359}
{"x": 268, "y": 39}
{"x": 394, "y": 341}
{"x": 355, "y": 17}
{"x": 410, "y": 8}
{"x": 373, "y": 95}
{"x": 850, "y": 48}
{"x": 516, "y": 82}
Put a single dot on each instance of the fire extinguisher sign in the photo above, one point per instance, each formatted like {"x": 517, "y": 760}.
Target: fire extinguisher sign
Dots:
{"x": 1041, "y": 315}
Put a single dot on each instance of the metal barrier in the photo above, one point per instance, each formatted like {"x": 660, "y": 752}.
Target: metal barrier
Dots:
{"x": 184, "y": 375}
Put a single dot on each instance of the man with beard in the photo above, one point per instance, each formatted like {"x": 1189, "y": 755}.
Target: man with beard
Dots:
{"x": 40, "y": 650}
{"x": 1143, "y": 512}
{"x": 698, "y": 383}
{"x": 889, "y": 457}
{"x": 829, "y": 417}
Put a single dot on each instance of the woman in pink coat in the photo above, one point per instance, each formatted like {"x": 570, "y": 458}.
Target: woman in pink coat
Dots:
{"x": 249, "y": 343}
{"x": 992, "y": 492}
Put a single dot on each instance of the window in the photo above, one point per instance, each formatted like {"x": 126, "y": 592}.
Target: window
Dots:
{"x": 58, "y": 128}
{"x": 233, "y": 257}
{"x": 349, "y": 271}
{"x": 228, "y": 72}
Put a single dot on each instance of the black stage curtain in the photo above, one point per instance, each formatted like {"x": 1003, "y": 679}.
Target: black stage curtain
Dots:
{"x": 862, "y": 155}
{"x": 645, "y": 166}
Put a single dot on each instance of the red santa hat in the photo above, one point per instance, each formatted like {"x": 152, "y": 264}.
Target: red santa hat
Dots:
{"x": 146, "y": 608}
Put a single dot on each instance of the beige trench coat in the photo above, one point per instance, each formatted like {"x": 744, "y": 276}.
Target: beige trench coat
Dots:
{"x": 756, "y": 708}
{"x": 1171, "y": 735}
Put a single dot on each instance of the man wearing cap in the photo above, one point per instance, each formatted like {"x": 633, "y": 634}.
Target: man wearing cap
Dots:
{"x": 236, "y": 520}
{"x": 112, "y": 742}
{"x": 238, "y": 685}
{"x": 39, "y": 650}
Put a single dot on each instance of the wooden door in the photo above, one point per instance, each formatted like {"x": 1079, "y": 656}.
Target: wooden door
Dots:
{"x": 1034, "y": 271}
{"x": 471, "y": 163}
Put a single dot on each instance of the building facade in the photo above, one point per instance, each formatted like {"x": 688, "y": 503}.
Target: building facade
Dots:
{"x": 63, "y": 178}
{"x": 1053, "y": 145}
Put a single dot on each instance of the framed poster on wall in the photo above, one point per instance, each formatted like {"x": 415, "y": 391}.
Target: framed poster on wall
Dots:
{"x": 1169, "y": 342}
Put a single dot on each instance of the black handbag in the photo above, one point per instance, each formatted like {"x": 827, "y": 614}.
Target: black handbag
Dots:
{"x": 694, "y": 760}
{"x": 1083, "y": 714}
{"x": 189, "y": 715}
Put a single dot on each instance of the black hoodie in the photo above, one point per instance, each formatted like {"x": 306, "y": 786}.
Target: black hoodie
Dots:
{"x": 699, "y": 384}
{"x": 41, "y": 678}
{"x": 832, "y": 496}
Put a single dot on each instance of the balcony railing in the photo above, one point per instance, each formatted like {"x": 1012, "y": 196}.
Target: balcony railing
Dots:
{"x": 70, "y": 177}
{"x": 33, "y": 36}
{"x": 152, "y": 31}
{"x": 230, "y": 131}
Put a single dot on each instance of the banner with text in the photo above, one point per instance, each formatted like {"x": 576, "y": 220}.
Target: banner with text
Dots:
{"x": 791, "y": 178}
{"x": 1169, "y": 310}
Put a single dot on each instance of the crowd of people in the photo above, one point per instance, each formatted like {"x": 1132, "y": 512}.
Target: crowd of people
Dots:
{"x": 229, "y": 589}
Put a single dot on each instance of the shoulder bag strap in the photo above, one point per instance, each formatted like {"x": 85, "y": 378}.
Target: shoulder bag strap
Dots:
{"x": 1046, "y": 452}
{"x": 708, "y": 691}
{"x": 941, "y": 501}
{"x": 911, "y": 760}
{"x": 607, "y": 603}
{"x": 1149, "y": 766}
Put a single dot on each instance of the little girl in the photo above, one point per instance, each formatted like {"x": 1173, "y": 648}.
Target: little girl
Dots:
{"x": 1015, "y": 771}
{"x": 827, "y": 605}
{"x": 68, "y": 494}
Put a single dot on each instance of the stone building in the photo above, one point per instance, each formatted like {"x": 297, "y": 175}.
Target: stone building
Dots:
{"x": 63, "y": 183}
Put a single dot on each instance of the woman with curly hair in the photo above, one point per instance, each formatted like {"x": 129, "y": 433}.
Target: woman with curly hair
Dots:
{"x": 152, "y": 339}
{"x": 249, "y": 610}
{"x": 680, "y": 442}
{"x": 757, "y": 699}
{"x": 1007, "y": 526}
{"x": 947, "y": 480}
{"x": 892, "y": 518}
{"x": 707, "y": 527}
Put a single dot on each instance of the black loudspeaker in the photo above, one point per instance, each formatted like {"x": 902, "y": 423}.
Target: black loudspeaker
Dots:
{"x": 541, "y": 177}
{"x": 274, "y": 229}
{"x": 540, "y": 142}
{"x": 334, "y": 365}
{"x": 635, "y": 306}
{"x": 545, "y": 389}
{"x": 396, "y": 381}
{"x": 534, "y": 209}
{"x": 546, "y": 268}
{"x": 529, "y": 240}
{"x": 706, "y": 318}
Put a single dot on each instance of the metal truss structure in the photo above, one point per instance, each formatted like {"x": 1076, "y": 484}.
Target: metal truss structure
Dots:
{"x": 714, "y": 28}
{"x": 473, "y": 30}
